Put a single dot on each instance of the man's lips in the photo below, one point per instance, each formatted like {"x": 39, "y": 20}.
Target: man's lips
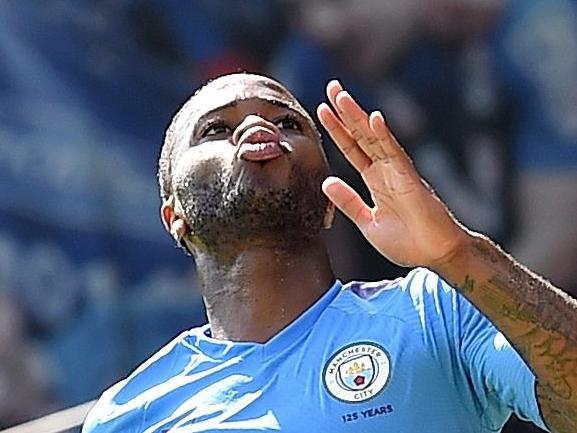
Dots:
{"x": 259, "y": 143}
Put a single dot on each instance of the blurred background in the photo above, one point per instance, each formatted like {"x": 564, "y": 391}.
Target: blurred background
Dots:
{"x": 481, "y": 92}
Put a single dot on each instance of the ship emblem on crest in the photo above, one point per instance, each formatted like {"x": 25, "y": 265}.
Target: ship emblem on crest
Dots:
{"x": 357, "y": 373}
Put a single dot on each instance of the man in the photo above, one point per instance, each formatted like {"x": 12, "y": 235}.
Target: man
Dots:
{"x": 287, "y": 347}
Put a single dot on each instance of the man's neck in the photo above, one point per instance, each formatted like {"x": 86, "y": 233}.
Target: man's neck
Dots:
{"x": 263, "y": 288}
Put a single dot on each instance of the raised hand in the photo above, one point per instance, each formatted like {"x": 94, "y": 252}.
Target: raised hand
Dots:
{"x": 410, "y": 226}
{"x": 407, "y": 223}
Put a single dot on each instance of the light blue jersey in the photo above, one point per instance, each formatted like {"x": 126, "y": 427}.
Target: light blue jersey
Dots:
{"x": 407, "y": 356}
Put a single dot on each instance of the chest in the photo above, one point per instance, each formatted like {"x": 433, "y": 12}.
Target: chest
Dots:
{"x": 354, "y": 381}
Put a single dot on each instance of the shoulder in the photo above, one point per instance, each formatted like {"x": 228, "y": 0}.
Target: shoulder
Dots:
{"x": 122, "y": 406}
{"x": 421, "y": 300}
{"x": 418, "y": 287}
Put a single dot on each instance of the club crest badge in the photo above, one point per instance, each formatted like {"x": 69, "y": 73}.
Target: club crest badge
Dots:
{"x": 358, "y": 372}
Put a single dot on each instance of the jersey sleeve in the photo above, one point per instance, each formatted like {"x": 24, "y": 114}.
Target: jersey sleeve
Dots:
{"x": 497, "y": 372}
{"x": 123, "y": 406}
{"x": 107, "y": 417}
{"x": 478, "y": 356}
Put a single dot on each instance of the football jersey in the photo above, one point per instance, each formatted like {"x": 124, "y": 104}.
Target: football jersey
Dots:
{"x": 410, "y": 355}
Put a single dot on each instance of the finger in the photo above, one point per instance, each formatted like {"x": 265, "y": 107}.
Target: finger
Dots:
{"x": 356, "y": 121}
{"x": 333, "y": 89}
{"x": 348, "y": 201}
{"x": 394, "y": 152}
{"x": 342, "y": 138}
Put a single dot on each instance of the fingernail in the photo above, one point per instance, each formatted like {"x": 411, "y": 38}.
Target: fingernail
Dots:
{"x": 323, "y": 106}
{"x": 334, "y": 82}
{"x": 329, "y": 182}
{"x": 379, "y": 113}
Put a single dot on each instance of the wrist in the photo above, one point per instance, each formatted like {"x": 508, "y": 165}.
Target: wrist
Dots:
{"x": 458, "y": 258}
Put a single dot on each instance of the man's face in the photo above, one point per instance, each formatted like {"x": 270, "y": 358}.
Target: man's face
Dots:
{"x": 248, "y": 165}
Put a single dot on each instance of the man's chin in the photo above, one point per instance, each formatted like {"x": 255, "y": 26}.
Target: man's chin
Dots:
{"x": 268, "y": 202}
{"x": 272, "y": 174}
{"x": 257, "y": 218}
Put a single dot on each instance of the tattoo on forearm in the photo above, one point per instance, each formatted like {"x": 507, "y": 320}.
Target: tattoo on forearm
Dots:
{"x": 539, "y": 320}
{"x": 469, "y": 285}
{"x": 534, "y": 296}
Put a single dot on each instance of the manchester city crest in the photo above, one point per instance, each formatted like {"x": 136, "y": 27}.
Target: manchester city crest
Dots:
{"x": 358, "y": 372}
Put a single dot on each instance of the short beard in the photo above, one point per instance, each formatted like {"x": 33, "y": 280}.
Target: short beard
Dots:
{"x": 224, "y": 216}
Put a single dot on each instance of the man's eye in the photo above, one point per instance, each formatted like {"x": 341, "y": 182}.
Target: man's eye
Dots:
{"x": 217, "y": 128}
{"x": 289, "y": 122}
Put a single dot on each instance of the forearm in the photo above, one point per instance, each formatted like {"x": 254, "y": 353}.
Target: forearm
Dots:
{"x": 539, "y": 320}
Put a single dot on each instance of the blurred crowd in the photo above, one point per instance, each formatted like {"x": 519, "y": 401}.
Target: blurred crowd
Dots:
{"x": 481, "y": 92}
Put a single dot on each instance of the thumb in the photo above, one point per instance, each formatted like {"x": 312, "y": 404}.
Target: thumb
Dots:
{"x": 347, "y": 200}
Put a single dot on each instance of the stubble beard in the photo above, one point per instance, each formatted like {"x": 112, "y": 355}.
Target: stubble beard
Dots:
{"x": 224, "y": 214}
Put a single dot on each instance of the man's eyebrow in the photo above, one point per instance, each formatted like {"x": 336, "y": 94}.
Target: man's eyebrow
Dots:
{"x": 272, "y": 101}
{"x": 279, "y": 103}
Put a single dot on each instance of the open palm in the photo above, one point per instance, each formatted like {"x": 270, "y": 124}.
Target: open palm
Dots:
{"x": 407, "y": 223}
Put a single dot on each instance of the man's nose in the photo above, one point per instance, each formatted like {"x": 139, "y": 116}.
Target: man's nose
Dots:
{"x": 251, "y": 121}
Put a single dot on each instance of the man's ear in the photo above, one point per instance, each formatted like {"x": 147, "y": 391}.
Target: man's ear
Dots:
{"x": 329, "y": 216}
{"x": 172, "y": 220}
